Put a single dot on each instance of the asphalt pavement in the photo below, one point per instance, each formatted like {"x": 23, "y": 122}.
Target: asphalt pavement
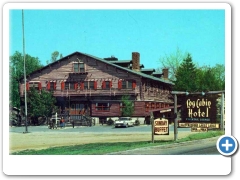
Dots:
{"x": 196, "y": 147}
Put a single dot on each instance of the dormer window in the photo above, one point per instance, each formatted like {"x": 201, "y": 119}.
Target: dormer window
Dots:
{"x": 78, "y": 67}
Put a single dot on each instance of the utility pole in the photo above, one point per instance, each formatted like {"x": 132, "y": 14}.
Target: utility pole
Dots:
{"x": 25, "y": 89}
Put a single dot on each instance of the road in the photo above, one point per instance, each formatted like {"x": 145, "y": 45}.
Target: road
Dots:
{"x": 197, "y": 147}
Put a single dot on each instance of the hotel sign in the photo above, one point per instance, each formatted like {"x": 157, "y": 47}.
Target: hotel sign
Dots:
{"x": 199, "y": 130}
{"x": 199, "y": 109}
{"x": 199, "y": 125}
{"x": 161, "y": 127}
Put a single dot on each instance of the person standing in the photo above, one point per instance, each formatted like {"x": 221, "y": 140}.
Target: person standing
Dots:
{"x": 62, "y": 123}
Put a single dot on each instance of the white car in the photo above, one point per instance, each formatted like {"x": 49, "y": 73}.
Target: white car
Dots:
{"x": 124, "y": 122}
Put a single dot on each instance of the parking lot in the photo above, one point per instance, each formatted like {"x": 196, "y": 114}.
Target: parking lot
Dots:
{"x": 40, "y": 137}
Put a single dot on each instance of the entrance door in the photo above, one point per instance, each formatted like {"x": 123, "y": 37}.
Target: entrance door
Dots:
{"x": 78, "y": 109}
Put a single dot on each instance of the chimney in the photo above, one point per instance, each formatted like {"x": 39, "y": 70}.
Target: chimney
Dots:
{"x": 165, "y": 73}
{"x": 135, "y": 61}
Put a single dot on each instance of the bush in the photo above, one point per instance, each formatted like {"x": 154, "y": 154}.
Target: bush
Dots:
{"x": 137, "y": 122}
{"x": 110, "y": 122}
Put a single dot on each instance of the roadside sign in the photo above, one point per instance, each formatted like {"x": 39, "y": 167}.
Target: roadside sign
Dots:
{"x": 161, "y": 127}
{"x": 199, "y": 129}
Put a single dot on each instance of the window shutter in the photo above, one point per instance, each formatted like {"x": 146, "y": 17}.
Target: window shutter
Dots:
{"x": 39, "y": 86}
{"x": 103, "y": 85}
{"x": 110, "y": 84}
{"x": 62, "y": 85}
{"x": 55, "y": 85}
{"x": 119, "y": 84}
{"x": 134, "y": 84}
{"x": 27, "y": 86}
{"x": 95, "y": 85}
{"x": 82, "y": 85}
{"x": 48, "y": 86}
{"x": 75, "y": 86}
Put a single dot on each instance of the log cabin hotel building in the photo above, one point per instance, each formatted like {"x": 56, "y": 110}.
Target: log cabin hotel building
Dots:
{"x": 88, "y": 85}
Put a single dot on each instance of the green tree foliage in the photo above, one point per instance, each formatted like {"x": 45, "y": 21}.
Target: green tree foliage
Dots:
{"x": 128, "y": 108}
{"x": 211, "y": 78}
{"x": 206, "y": 78}
{"x": 17, "y": 72}
{"x": 172, "y": 62}
{"x": 40, "y": 103}
{"x": 54, "y": 57}
{"x": 186, "y": 76}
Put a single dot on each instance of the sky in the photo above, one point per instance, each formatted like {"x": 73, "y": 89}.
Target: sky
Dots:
{"x": 155, "y": 34}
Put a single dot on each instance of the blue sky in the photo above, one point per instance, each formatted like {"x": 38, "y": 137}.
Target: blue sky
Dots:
{"x": 103, "y": 33}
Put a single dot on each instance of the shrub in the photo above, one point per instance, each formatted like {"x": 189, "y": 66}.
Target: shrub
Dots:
{"x": 137, "y": 122}
{"x": 110, "y": 122}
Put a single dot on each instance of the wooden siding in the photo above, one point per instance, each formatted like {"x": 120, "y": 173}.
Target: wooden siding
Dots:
{"x": 139, "y": 109}
{"x": 113, "y": 112}
{"x": 95, "y": 71}
{"x": 61, "y": 73}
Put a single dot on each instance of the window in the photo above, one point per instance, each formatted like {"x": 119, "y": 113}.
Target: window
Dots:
{"x": 66, "y": 85}
{"x": 127, "y": 84}
{"x": 106, "y": 84}
{"x": 51, "y": 85}
{"x": 86, "y": 85}
{"x": 78, "y": 67}
{"x": 35, "y": 85}
{"x": 102, "y": 107}
{"x": 91, "y": 85}
{"x": 147, "y": 106}
{"x": 81, "y": 67}
{"x": 71, "y": 85}
{"x": 152, "y": 105}
{"x": 124, "y": 84}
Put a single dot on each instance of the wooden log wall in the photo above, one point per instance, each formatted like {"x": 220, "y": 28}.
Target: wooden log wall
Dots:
{"x": 113, "y": 112}
{"x": 62, "y": 71}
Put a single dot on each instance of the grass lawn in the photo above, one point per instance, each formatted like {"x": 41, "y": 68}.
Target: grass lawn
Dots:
{"x": 104, "y": 148}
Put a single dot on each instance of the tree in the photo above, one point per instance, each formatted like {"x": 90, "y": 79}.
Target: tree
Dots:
{"x": 186, "y": 76}
{"x": 128, "y": 108}
{"x": 219, "y": 72}
{"x": 17, "y": 72}
{"x": 54, "y": 57}
{"x": 211, "y": 78}
{"x": 40, "y": 104}
{"x": 172, "y": 62}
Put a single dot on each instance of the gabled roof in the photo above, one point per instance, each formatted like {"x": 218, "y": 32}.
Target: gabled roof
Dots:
{"x": 109, "y": 63}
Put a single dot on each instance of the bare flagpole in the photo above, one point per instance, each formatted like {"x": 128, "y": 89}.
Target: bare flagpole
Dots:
{"x": 25, "y": 89}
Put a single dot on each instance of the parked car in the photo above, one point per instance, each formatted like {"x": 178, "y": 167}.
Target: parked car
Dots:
{"x": 124, "y": 122}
